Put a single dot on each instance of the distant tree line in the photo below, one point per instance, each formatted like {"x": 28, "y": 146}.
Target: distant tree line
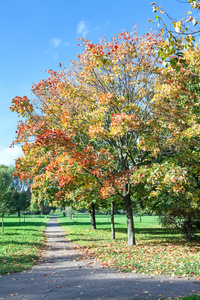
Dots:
{"x": 15, "y": 196}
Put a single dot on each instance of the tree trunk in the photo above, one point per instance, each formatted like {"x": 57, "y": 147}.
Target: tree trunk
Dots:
{"x": 19, "y": 214}
{"x": 130, "y": 223}
{"x": 187, "y": 228}
{"x": 112, "y": 221}
{"x": 2, "y": 223}
{"x": 91, "y": 211}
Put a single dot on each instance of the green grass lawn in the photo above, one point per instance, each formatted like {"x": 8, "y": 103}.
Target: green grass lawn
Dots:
{"x": 192, "y": 297}
{"x": 158, "y": 251}
{"x": 21, "y": 243}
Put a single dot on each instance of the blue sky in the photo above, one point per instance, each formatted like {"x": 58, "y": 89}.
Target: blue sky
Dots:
{"x": 37, "y": 35}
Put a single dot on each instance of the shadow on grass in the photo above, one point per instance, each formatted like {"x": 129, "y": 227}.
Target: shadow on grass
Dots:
{"x": 4, "y": 243}
{"x": 16, "y": 263}
{"x": 157, "y": 236}
{"x": 23, "y": 224}
{"x": 146, "y": 231}
{"x": 76, "y": 223}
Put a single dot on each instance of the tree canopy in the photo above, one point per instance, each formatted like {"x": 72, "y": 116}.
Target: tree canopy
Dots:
{"x": 114, "y": 124}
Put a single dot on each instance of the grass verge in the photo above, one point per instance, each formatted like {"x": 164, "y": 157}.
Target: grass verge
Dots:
{"x": 192, "y": 297}
{"x": 158, "y": 251}
{"x": 21, "y": 243}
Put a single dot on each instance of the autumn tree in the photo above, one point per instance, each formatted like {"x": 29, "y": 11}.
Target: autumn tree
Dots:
{"x": 183, "y": 97}
{"x": 180, "y": 50}
{"x": 105, "y": 123}
{"x": 178, "y": 34}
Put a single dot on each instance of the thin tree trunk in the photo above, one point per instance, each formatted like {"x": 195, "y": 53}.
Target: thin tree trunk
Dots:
{"x": 130, "y": 223}
{"x": 107, "y": 216}
{"x": 112, "y": 221}
{"x": 91, "y": 211}
{"x": 2, "y": 223}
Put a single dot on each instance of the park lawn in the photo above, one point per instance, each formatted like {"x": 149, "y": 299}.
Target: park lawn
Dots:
{"x": 21, "y": 243}
{"x": 192, "y": 297}
{"x": 159, "y": 251}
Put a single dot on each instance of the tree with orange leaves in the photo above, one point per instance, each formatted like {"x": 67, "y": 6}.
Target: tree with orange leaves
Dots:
{"x": 101, "y": 123}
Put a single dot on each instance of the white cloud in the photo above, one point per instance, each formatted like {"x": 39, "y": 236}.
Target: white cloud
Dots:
{"x": 55, "y": 42}
{"x": 82, "y": 28}
{"x": 66, "y": 44}
{"x": 8, "y": 155}
{"x": 107, "y": 24}
{"x": 52, "y": 54}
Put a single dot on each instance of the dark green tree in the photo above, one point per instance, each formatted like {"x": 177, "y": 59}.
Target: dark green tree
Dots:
{"x": 6, "y": 177}
{"x": 19, "y": 201}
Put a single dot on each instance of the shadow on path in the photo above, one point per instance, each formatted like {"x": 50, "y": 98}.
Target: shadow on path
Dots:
{"x": 65, "y": 274}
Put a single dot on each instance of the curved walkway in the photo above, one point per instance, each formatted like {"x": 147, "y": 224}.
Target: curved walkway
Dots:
{"x": 63, "y": 275}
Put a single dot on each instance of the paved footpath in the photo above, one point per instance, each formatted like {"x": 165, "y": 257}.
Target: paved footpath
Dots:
{"x": 62, "y": 275}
